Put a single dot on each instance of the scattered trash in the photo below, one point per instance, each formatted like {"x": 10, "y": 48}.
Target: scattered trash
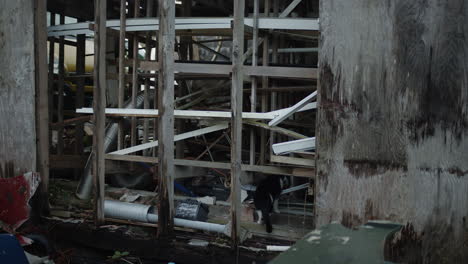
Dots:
{"x": 210, "y": 200}
{"x": 15, "y": 195}
{"x": 32, "y": 259}
{"x": 129, "y": 198}
{"x": 192, "y": 210}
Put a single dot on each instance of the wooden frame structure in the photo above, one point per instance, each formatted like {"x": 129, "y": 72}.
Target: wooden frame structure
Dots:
{"x": 262, "y": 30}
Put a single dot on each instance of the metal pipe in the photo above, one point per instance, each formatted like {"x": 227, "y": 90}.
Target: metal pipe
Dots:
{"x": 85, "y": 186}
{"x": 126, "y": 211}
{"x": 142, "y": 213}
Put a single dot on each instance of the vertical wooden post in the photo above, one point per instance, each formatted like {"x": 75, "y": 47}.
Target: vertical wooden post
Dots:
{"x": 156, "y": 89}
{"x": 51, "y": 81}
{"x": 121, "y": 94}
{"x": 184, "y": 54}
{"x": 99, "y": 105}
{"x": 166, "y": 117}
{"x": 274, "y": 60}
{"x": 42, "y": 101}
{"x": 253, "y": 96}
{"x": 80, "y": 83}
{"x": 146, "y": 103}
{"x": 236, "y": 119}
{"x": 61, "y": 83}
{"x": 135, "y": 86}
{"x": 265, "y": 62}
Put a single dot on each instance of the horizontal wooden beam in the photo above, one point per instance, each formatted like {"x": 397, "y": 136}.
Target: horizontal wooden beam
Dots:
{"x": 275, "y": 170}
{"x": 293, "y": 160}
{"x": 187, "y": 114}
{"x": 226, "y": 69}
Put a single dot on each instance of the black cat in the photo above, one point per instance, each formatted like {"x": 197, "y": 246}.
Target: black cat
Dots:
{"x": 266, "y": 198}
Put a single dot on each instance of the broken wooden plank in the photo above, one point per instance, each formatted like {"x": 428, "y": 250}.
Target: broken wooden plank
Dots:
{"x": 290, "y": 8}
{"x": 179, "y": 137}
{"x": 291, "y": 110}
{"x": 295, "y": 145}
{"x": 280, "y": 130}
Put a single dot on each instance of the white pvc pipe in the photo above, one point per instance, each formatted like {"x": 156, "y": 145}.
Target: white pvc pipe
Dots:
{"x": 210, "y": 227}
{"x": 277, "y": 248}
{"x": 141, "y": 213}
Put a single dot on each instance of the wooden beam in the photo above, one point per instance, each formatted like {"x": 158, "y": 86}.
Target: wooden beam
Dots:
{"x": 280, "y": 118}
{"x": 293, "y": 161}
{"x": 286, "y": 89}
{"x": 146, "y": 102}
{"x": 253, "y": 94}
{"x": 225, "y": 70}
{"x": 279, "y": 130}
{"x": 166, "y": 119}
{"x": 61, "y": 84}
{"x": 179, "y": 137}
{"x": 42, "y": 101}
{"x": 71, "y": 121}
{"x": 290, "y": 8}
{"x": 295, "y": 145}
{"x": 80, "y": 94}
{"x": 274, "y": 60}
{"x": 190, "y": 114}
{"x": 51, "y": 74}
{"x": 99, "y": 104}
{"x": 121, "y": 92}
{"x": 272, "y": 170}
{"x": 236, "y": 119}
{"x": 135, "y": 83}
{"x": 265, "y": 85}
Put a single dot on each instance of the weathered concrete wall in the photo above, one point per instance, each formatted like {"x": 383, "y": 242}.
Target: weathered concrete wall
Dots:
{"x": 17, "y": 102}
{"x": 393, "y": 118}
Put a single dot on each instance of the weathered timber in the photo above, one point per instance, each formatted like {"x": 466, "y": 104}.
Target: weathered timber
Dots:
{"x": 99, "y": 105}
{"x": 166, "y": 118}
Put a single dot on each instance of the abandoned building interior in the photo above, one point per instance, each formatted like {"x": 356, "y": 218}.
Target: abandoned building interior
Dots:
{"x": 211, "y": 131}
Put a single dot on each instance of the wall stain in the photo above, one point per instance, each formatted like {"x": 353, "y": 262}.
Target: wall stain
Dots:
{"x": 404, "y": 246}
{"x": 368, "y": 168}
{"x": 432, "y": 75}
{"x": 452, "y": 170}
{"x": 350, "y": 220}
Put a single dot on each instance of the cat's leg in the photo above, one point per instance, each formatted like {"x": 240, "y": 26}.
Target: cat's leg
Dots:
{"x": 259, "y": 214}
{"x": 275, "y": 206}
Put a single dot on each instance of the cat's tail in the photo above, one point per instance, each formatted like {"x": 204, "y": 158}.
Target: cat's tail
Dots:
{"x": 266, "y": 218}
